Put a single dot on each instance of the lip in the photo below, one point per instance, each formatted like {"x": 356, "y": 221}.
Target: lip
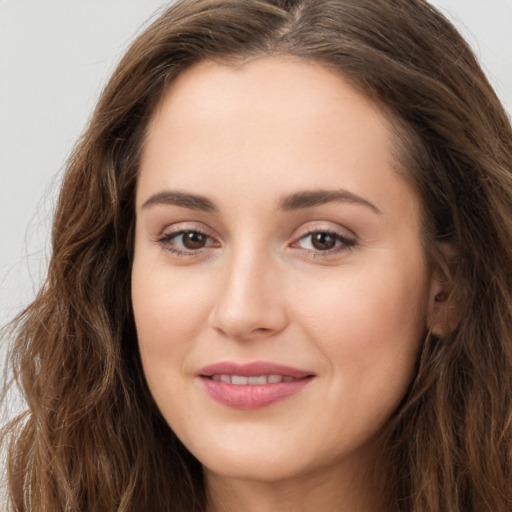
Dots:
{"x": 252, "y": 369}
{"x": 252, "y": 396}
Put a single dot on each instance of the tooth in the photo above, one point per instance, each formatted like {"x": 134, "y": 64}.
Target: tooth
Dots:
{"x": 241, "y": 380}
{"x": 238, "y": 379}
{"x": 258, "y": 380}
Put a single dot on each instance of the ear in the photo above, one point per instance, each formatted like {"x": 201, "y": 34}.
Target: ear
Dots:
{"x": 443, "y": 310}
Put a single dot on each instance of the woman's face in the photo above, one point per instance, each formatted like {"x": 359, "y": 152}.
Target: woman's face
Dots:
{"x": 280, "y": 287}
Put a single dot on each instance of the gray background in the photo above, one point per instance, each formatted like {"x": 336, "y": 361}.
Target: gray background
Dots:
{"x": 55, "y": 57}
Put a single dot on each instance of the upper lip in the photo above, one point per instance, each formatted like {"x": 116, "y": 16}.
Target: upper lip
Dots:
{"x": 253, "y": 369}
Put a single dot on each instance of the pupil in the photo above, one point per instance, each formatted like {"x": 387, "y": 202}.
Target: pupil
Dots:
{"x": 194, "y": 240}
{"x": 323, "y": 241}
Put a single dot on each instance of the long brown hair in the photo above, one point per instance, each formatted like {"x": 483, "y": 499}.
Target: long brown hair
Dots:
{"x": 93, "y": 439}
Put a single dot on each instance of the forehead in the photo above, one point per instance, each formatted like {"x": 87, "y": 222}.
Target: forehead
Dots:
{"x": 272, "y": 88}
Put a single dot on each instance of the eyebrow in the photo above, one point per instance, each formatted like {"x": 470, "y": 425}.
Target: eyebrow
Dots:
{"x": 310, "y": 198}
{"x": 296, "y": 201}
{"x": 183, "y": 199}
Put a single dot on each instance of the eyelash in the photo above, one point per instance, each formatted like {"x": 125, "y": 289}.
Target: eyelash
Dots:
{"x": 166, "y": 241}
{"x": 345, "y": 243}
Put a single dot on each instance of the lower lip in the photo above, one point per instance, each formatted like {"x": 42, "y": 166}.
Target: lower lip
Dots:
{"x": 253, "y": 396}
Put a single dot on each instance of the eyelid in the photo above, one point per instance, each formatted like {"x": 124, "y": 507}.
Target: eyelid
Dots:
{"x": 324, "y": 227}
{"x": 179, "y": 227}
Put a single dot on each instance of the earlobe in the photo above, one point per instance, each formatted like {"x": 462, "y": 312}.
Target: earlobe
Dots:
{"x": 439, "y": 323}
{"x": 443, "y": 310}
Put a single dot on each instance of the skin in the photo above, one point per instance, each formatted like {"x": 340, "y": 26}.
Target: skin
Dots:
{"x": 355, "y": 315}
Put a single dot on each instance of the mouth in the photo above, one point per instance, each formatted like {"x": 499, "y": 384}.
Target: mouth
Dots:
{"x": 254, "y": 385}
{"x": 241, "y": 380}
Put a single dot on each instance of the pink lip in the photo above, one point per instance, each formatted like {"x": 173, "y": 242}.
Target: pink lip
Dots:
{"x": 252, "y": 370}
{"x": 252, "y": 396}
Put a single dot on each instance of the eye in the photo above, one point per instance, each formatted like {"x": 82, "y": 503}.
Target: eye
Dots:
{"x": 186, "y": 242}
{"x": 193, "y": 239}
{"x": 324, "y": 241}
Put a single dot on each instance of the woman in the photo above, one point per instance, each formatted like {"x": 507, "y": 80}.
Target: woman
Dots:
{"x": 281, "y": 274}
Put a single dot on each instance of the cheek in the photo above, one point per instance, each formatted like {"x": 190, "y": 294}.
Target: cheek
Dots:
{"x": 170, "y": 310}
{"x": 369, "y": 322}
{"x": 370, "y": 333}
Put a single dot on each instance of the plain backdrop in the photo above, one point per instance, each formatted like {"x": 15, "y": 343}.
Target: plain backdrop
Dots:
{"x": 55, "y": 57}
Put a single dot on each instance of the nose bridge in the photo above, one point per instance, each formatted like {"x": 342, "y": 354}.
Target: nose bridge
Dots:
{"x": 248, "y": 302}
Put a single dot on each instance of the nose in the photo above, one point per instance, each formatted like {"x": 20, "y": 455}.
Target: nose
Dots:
{"x": 250, "y": 302}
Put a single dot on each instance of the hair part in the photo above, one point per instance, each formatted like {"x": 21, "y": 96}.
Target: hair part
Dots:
{"x": 93, "y": 438}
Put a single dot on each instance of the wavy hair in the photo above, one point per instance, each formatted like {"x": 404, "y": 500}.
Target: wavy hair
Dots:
{"x": 92, "y": 438}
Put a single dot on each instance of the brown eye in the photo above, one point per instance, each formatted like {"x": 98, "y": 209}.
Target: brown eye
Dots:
{"x": 186, "y": 242}
{"x": 194, "y": 240}
{"x": 323, "y": 241}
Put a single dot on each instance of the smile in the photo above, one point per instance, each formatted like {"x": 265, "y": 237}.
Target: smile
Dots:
{"x": 241, "y": 380}
{"x": 254, "y": 385}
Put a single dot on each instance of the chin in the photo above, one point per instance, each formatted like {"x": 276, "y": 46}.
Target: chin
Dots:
{"x": 263, "y": 462}
{"x": 259, "y": 469}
